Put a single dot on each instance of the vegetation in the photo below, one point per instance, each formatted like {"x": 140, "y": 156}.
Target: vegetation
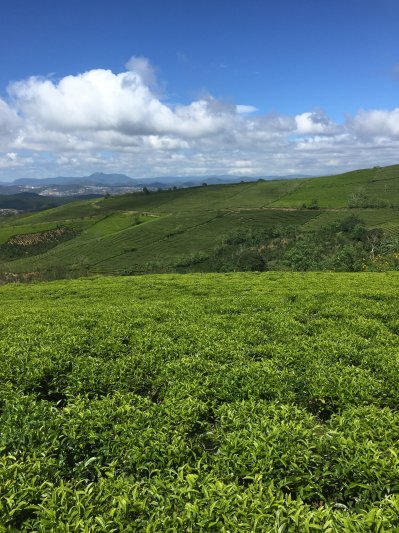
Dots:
{"x": 236, "y": 402}
{"x": 346, "y": 245}
{"x": 186, "y": 230}
{"x": 34, "y": 243}
{"x": 207, "y": 402}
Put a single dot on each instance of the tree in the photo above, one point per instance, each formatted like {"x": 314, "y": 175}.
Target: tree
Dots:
{"x": 251, "y": 260}
{"x": 373, "y": 238}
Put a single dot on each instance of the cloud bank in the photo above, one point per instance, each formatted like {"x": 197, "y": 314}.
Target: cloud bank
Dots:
{"x": 101, "y": 120}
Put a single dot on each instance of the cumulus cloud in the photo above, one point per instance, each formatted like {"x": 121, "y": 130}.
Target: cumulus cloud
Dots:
{"x": 100, "y": 100}
{"x": 101, "y": 120}
{"x": 8, "y": 117}
{"x": 376, "y": 123}
{"x": 12, "y": 160}
{"x": 315, "y": 122}
{"x": 9, "y": 123}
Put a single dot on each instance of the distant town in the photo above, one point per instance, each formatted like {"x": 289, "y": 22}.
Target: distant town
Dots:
{"x": 59, "y": 190}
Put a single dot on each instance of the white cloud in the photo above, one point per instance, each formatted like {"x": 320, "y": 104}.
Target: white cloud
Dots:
{"x": 99, "y": 100}
{"x": 12, "y": 156}
{"x": 12, "y": 160}
{"x": 9, "y": 122}
{"x": 376, "y": 123}
{"x": 314, "y": 122}
{"x": 101, "y": 120}
{"x": 243, "y": 109}
{"x": 143, "y": 68}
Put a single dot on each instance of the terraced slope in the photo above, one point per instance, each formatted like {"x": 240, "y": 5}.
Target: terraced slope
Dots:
{"x": 378, "y": 184}
{"x": 132, "y": 232}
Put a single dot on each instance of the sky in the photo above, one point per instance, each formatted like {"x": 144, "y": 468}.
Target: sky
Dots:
{"x": 163, "y": 88}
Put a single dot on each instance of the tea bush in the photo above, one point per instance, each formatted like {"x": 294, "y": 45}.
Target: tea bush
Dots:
{"x": 236, "y": 402}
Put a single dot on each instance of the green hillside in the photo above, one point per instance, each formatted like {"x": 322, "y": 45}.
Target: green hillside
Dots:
{"x": 181, "y": 229}
{"x": 236, "y": 402}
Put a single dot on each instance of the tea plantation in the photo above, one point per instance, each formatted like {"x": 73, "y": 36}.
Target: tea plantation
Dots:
{"x": 227, "y": 403}
{"x": 184, "y": 230}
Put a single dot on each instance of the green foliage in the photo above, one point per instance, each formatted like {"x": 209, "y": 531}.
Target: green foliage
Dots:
{"x": 238, "y": 402}
{"x": 250, "y": 259}
{"x": 314, "y": 204}
{"x": 360, "y": 199}
{"x": 29, "y": 244}
{"x": 346, "y": 245}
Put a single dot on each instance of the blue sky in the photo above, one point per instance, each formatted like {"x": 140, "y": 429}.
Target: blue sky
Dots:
{"x": 323, "y": 77}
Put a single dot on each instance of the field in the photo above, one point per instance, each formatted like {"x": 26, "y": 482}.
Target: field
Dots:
{"x": 134, "y": 232}
{"x": 238, "y": 402}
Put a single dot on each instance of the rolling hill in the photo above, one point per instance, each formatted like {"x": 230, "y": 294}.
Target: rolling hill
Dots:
{"x": 179, "y": 229}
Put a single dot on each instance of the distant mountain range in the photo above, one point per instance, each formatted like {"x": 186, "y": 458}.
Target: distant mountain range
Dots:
{"x": 100, "y": 179}
{"x": 96, "y": 179}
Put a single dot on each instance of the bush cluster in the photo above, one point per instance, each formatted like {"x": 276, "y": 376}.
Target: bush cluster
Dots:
{"x": 344, "y": 246}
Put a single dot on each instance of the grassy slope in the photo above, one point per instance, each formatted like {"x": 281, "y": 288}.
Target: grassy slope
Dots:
{"x": 242, "y": 402}
{"x": 174, "y": 224}
{"x": 334, "y": 191}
